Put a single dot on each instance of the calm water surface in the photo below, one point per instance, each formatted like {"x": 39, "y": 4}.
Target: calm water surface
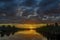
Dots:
{"x": 24, "y": 35}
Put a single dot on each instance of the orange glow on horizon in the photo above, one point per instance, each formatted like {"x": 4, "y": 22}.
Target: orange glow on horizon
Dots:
{"x": 30, "y": 25}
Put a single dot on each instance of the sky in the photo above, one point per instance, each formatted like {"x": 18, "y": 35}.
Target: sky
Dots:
{"x": 30, "y": 8}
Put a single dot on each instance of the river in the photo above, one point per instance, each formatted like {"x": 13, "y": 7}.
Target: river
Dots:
{"x": 24, "y": 35}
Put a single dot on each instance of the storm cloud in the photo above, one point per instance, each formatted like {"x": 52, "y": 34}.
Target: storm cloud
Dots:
{"x": 7, "y": 7}
{"x": 10, "y": 6}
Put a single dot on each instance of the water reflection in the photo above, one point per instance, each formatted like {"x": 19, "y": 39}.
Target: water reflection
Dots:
{"x": 21, "y": 35}
{"x": 14, "y": 33}
{"x": 52, "y": 32}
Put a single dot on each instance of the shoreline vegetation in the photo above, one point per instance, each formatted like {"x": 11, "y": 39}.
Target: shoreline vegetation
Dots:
{"x": 52, "y": 32}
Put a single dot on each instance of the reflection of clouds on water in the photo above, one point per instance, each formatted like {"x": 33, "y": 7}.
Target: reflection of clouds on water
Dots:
{"x": 23, "y": 37}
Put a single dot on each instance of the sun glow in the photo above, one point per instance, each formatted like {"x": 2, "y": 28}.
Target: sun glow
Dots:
{"x": 30, "y": 31}
{"x": 26, "y": 25}
{"x": 31, "y": 26}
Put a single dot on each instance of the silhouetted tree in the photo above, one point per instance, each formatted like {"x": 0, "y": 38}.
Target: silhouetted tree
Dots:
{"x": 13, "y": 26}
{"x": 56, "y": 24}
{"x": 8, "y": 26}
{"x": 3, "y": 26}
{"x": 52, "y": 32}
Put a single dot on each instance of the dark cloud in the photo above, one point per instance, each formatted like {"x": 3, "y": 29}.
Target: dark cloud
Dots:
{"x": 29, "y": 3}
{"x": 10, "y": 6}
{"x": 5, "y": 0}
{"x": 7, "y": 7}
{"x": 46, "y": 2}
{"x": 48, "y": 5}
